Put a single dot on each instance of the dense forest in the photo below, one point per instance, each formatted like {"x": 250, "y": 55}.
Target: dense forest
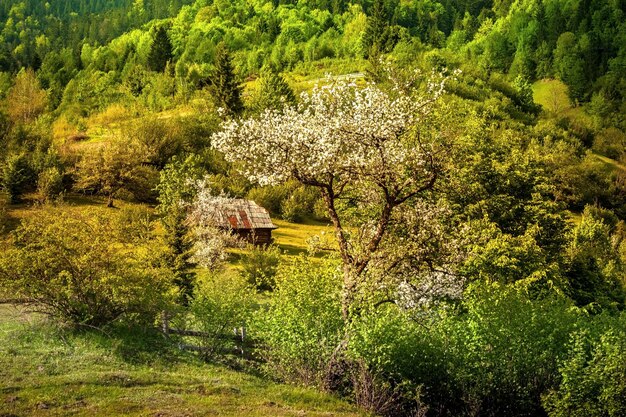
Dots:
{"x": 448, "y": 179}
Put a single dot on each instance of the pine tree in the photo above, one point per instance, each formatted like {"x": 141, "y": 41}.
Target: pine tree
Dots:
{"x": 377, "y": 29}
{"x": 161, "y": 51}
{"x": 176, "y": 191}
{"x": 272, "y": 91}
{"x": 224, "y": 85}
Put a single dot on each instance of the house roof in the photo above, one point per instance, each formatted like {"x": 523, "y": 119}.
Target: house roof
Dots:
{"x": 243, "y": 214}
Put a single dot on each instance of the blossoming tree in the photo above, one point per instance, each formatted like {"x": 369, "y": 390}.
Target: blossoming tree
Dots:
{"x": 370, "y": 151}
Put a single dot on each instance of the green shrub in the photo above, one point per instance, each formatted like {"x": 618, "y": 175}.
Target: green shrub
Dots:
{"x": 260, "y": 265}
{"x": 220, "y": 304}
{"x": 302, "y": 324}
{"x": 593, "y": 376}
{"x": 610, "y": 142}
{"x": 75, "y": 269}
{"x": 299, "y": 204}
{"x": 16, "y": 176}
{"x": 134, "y": 224}
{"x": 50, "y": 184}
{"x": 495, "y": 356}
{"x": 270, "y": 197}
{"x": 290, "y": 201}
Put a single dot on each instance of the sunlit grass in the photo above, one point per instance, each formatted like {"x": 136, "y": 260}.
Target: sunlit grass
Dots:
{"x": 52, "y": 372}
{"x": 552, "y": 96}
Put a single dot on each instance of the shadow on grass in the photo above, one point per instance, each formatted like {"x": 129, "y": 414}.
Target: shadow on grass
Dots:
{"x": 135, "y": 344}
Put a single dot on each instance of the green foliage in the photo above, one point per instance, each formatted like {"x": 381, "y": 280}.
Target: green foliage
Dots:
{"x": 162, "y": 139}
{"x": 377, "y": 36}
{"x": 610, "y": 142}
{"x": 299, "y": 204}
{"x": 593, "y": 375}
{"x": 260, "y": 265}
{"x": 269, "y": 197}
{"x": 26, "y": 99}
{"x": 224, "y": 85}
{"x": 220, "y": 305}
{"x": 75, "y": 269}
{"x": 115, "y": 167}
{"x": 496, "y": 355}
{"x": 134, "y": 224}
{"x": 290, "y": 201}
{"x": 50, "y": 184}
{"x": 176, "y": 191}
{"x": 17, "y": 176}
{"x": 301, "y": 325}
{"x": 272, "y": 91}
{"x": 160, "y": 50}
{"x": 595, "y": 269}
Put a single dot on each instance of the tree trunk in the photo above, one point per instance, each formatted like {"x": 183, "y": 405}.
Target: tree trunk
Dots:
{"x": 110, "y": 201}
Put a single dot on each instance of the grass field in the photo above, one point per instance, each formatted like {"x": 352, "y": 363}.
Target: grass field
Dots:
{"x": 292, "y": 238}
{"x": 51, "y": 372}
{"x": 552, "y": 96}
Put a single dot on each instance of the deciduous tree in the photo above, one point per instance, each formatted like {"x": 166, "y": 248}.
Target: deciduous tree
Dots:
{"x": 369, "y": 152}
{"x": 115, "y": 166}
{"x": 26, "y": 99}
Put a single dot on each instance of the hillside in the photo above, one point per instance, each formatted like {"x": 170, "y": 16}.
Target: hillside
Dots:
{"x": 448, "y": 179}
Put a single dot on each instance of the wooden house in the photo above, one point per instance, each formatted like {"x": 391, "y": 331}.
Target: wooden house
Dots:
{"x": 246, "y": 219}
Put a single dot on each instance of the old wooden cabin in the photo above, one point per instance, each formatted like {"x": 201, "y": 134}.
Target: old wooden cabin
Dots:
{"x": 246, "y": 219}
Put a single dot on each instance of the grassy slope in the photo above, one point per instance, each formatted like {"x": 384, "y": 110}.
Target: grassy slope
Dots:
{"x": 47, "y": 372}
{"x": 552, "y": 96}
{"x": 292, "y": 238}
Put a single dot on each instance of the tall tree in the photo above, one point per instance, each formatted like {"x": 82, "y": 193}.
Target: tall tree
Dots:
{"x": 114, "y": 167}
{"x": 26, "y": 99}
{"x": 177, "y": 189}
{"x": 377, "y": 30}
{"x": 161, "y": 50}
{"x": 378, "y": 153}
{"x": 224, "y": 85}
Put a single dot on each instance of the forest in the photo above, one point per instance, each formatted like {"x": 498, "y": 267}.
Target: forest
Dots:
{"x": 446, "y": 190}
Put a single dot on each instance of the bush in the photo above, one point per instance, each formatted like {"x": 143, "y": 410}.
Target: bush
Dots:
{"x": 302, "y": 324}
{"x": 75, "y": 269}
{"x": 270, "y": 197}
{"x": 220, "y": 304}
{"x": 610, "y": 142}
{"x": 496, "y": 356}
{"x": 290, "y": 201}
{"x": 17, "y": 176}
{"x": 50, "y": 184}
{"x": 593, "y": 375}
{"x": 134, "y": 224}
{"x": 260, "y": 265}
{"x": 299, "y": 204}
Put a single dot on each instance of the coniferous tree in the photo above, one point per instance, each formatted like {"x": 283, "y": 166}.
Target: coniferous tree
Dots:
{"x": 272, "y": 91}
{"x": 377, "y": 29}
{"x": 224, "y": 85}
{"x": 176, "y": 192}
{"x": 161, "y": 50}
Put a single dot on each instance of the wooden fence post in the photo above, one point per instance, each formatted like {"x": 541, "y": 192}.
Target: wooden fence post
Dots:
{"x": 165, "y": 322}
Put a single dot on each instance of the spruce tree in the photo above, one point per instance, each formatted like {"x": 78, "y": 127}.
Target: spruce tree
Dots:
{"x": 161, "y": 51}
{"x": 376, "y": 30}
{"x": 272, "y": 91}
{"x": 176, "y": 191}
{"x": 224, "y": 85}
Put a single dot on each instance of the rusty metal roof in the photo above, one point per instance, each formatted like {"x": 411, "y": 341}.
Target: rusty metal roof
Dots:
{"x": 243, "y": 214}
